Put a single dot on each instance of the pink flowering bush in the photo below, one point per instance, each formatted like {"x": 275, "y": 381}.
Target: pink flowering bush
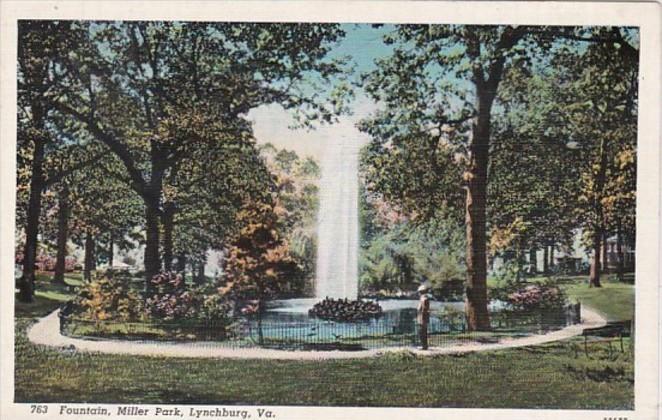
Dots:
{"x": 537, "y": 296}
{"x": 45, "y": 262}
{"x": 170, "y": 299}
{"x": 48, "y": 263}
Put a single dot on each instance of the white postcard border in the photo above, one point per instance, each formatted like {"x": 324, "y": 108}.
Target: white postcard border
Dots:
{"x": 644, "y": 15}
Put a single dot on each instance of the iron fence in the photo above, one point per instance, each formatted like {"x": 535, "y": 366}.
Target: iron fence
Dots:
{"x": 317, "y": 334}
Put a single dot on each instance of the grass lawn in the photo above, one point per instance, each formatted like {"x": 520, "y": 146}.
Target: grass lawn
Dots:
{"x": 557, "y": 375}
{"x": 613, "y": 300}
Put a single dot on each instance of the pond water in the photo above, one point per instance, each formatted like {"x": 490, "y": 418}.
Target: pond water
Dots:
{"x": 287, "y": 325}
{"x": 287, "y": 321}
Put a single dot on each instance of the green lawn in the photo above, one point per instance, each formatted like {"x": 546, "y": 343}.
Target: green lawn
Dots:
{"x": 613, "y": 300}
{"x": 557, "y": 375}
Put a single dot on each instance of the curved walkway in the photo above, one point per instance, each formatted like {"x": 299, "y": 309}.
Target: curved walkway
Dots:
{"x": 47, "y": 332}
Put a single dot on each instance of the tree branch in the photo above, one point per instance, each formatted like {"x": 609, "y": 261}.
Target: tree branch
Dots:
{"x": 120, "y": 150}
{"x": 57, "y": 177}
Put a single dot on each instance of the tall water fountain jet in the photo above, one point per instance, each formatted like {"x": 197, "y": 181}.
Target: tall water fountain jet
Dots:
{"x": 338, "y": 222}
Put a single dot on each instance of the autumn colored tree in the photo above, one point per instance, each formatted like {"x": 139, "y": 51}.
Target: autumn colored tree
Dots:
{"x": 258, "y": 263}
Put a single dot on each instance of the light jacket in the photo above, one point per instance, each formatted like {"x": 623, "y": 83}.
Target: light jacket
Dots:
{"x": 423, "y": 310}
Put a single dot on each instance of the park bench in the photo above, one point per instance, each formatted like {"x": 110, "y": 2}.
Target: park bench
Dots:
{"x": 607, "y": 334}
{"x": 333, "y": 346}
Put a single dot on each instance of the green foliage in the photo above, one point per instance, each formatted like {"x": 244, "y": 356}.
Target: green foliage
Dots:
{"x": 166, "y": 103}
{"x": 600, "y": 108}
{"x": 407, "y": 255}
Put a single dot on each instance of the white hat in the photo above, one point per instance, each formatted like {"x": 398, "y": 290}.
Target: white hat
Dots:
{"x": 423, "y": 288}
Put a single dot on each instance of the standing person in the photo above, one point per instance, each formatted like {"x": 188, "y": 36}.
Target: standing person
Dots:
{"x": 423, "y": 318}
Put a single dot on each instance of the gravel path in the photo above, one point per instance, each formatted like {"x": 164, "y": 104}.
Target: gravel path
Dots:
{"x": 47, "y": 332}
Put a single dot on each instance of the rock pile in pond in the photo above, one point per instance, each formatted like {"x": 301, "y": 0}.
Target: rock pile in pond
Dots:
{"x": 345, "y": 310}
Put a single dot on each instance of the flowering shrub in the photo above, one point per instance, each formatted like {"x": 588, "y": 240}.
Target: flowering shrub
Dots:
{"x": 537, "y": 296}
{"x": 114, "y": 297}
{"x": 108, "y": 298}
{"x": 170, "y": 299}
{"x": 45, "y": 262}
{"x": 345, "y": 310}
{"x": 49, "y": 263}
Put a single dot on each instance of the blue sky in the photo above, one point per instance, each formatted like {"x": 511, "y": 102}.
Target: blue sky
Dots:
{"x": 364, "y": 45}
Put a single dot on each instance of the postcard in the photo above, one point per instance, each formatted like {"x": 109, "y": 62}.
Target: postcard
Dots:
{"x": 292, "y": 210}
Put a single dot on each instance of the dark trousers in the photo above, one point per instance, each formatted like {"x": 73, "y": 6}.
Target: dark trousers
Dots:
{"x": 423, "y": 335}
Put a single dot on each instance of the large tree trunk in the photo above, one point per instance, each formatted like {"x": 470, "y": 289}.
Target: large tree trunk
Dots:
{"x": 594, "y": 278}
{"x": 475, "y": 213}
{"x": 62, "y": 236}
{"x": 168, "y": 226}
{"x": 152, "y": 218}
{"x": 90, "y": 257}
{"x": 27, "y": 281}
{"x": 152, "y": 258}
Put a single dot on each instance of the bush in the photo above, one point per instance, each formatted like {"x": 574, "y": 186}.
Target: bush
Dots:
{"x": 108, "y": 298}
{"x": 46, "y": 262}
{"x": 212, "y": 307}
{"x": 112, "y": 297}
{"x": 537, "y": 296}
{"x": 505, "y": 281}
{"x": 170, "y": 299}
{"x": 345, "y": 310}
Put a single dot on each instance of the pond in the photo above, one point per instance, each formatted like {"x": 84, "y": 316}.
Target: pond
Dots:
{"x": 287, "y": 325}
